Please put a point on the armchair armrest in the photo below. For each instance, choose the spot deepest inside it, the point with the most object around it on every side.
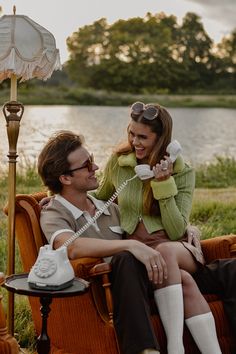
(82, 266)
(219, 247)
(97, 271)
(100, 269)
(103, 270)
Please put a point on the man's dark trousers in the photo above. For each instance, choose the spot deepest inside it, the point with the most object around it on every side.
(131, 291)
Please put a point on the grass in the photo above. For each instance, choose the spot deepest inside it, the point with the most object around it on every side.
(214, 210)
(62, 95)
(27, 181)
(220, 174)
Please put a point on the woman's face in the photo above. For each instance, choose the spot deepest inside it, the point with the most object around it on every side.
(143, 139)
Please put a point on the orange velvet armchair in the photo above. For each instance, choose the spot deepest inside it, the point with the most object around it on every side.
(83, 324)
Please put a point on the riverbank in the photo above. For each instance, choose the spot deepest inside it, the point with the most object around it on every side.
(48, 95)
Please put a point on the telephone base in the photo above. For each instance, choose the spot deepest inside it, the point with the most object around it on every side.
(42, 286)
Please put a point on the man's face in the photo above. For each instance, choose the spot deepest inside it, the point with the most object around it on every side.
(82, 168)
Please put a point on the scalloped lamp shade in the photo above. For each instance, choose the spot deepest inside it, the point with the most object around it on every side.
(27, 49)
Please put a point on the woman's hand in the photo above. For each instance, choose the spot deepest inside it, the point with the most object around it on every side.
(194, 236)
(164, 169)
(44, 202)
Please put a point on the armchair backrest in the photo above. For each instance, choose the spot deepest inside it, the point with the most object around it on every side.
(74, 324)
(28, 231)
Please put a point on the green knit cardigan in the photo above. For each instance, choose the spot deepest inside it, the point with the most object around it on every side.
(174, 196)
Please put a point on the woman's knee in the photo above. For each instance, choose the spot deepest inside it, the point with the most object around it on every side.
(188, 284)
(167, 251)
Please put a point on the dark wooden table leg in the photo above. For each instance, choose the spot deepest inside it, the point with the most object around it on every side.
(43, 341)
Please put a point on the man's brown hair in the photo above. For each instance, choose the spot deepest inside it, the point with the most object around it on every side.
(53, 162)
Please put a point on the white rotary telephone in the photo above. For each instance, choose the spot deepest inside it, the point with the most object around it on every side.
(52, 270)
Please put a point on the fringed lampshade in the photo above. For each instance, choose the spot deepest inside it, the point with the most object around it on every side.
(27, 49)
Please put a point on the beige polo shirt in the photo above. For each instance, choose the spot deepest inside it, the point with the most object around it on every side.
(62, 216)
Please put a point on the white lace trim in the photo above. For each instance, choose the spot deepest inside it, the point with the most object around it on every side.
(39, 67)
(45, 57)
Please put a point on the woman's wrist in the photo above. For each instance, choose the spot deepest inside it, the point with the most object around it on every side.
(164, 189)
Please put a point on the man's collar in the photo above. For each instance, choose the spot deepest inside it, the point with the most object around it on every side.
(78, 212)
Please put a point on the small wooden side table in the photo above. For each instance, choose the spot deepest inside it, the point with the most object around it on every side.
(17, 283)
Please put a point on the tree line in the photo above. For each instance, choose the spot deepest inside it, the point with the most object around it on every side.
(153, 54)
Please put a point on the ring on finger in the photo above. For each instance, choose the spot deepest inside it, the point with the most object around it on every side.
(164, 165)
(154, 266)
(192, 234)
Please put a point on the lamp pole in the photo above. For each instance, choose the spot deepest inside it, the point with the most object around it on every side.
(29, 51)
(13, 112)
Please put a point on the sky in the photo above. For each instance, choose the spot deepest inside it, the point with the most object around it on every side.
(63, 17)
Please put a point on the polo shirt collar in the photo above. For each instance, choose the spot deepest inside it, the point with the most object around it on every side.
(76, 212)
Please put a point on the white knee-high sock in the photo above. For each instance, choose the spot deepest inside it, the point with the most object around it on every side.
(169, 301)
(202, 327)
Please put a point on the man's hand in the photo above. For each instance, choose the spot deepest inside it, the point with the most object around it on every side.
(152, 259)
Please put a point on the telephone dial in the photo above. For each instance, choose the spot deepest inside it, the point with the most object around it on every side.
(52, 270)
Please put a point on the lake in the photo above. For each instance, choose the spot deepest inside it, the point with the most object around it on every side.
(203, 132)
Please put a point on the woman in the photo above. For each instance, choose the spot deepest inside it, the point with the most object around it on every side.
(157, 212)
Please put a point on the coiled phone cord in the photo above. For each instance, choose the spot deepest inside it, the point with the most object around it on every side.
(98, 213)
(174, 149)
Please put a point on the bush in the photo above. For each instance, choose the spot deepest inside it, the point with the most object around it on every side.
(220, 174)
(214, 218)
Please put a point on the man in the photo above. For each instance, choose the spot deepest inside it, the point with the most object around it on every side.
(68, 170)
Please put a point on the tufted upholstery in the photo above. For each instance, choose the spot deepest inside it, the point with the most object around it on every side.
(83, 324)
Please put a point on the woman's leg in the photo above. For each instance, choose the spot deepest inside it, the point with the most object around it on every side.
(198, 316)
(178, 257)
(169, 301)
(169, 295)
(219, 277)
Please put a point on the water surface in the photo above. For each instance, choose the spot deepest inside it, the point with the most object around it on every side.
(203, 132)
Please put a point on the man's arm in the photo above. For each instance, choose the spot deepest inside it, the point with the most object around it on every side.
(93, 247)
(58, 225)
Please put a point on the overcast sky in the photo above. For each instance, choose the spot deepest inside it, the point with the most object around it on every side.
(63, 17)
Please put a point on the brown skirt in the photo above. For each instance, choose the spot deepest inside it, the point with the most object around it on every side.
(155, 238)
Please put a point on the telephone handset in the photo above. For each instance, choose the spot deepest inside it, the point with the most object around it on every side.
(52, 270)
(144, 171)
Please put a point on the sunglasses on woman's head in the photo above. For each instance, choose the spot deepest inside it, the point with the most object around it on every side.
(87, 164)
(148, 112)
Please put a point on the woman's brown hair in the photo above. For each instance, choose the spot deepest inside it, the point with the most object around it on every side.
(162, 126)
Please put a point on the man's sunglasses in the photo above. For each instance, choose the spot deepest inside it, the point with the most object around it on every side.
(87, 164)
(148, 112)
